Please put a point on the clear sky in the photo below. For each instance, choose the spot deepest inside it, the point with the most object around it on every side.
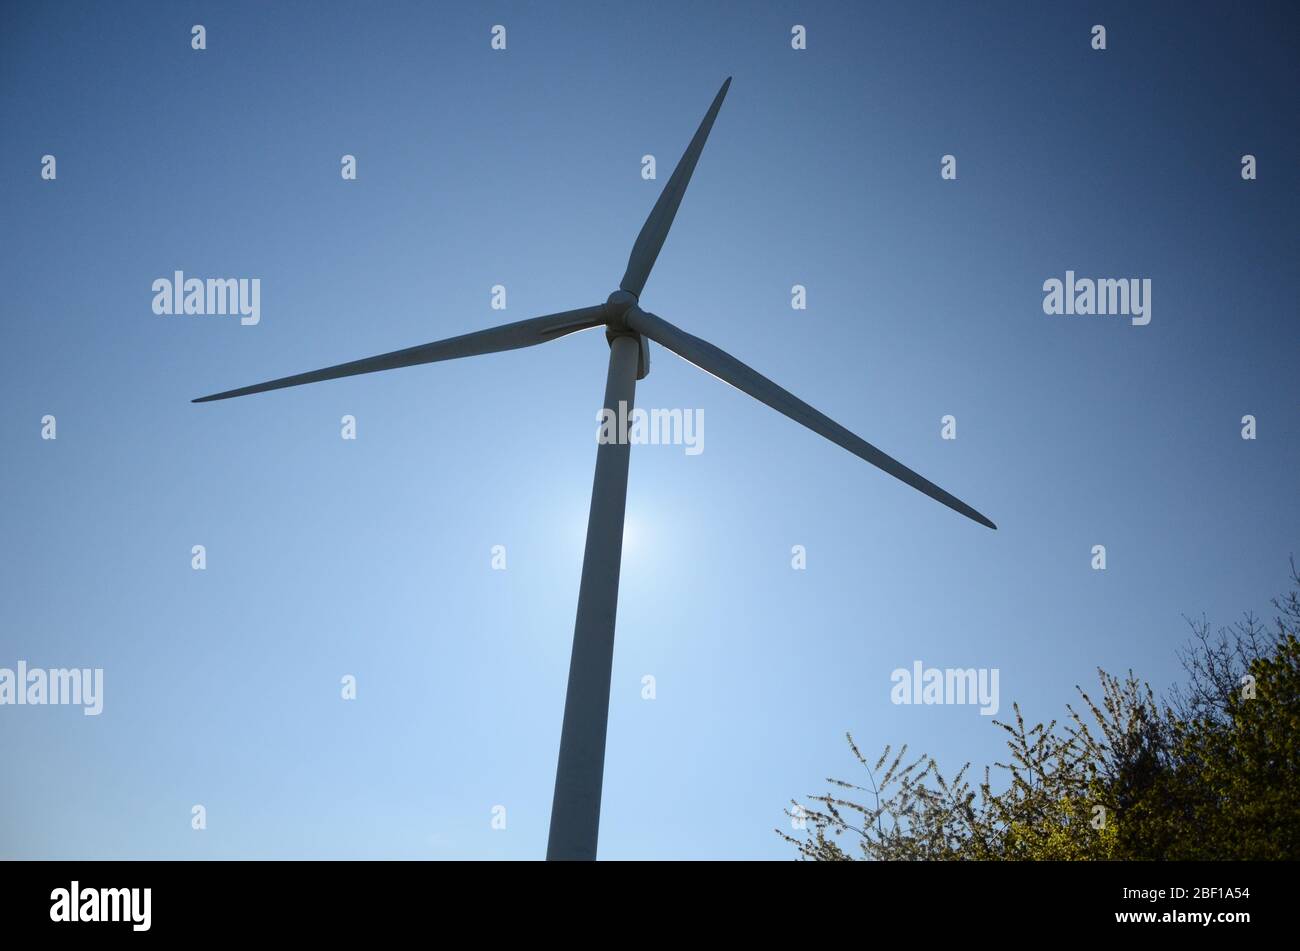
(476, 167)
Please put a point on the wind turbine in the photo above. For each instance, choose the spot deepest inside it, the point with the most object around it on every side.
(575, 811)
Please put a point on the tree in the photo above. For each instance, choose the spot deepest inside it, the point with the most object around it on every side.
(1211, 773)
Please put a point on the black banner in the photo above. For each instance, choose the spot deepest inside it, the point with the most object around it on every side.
(961, 900)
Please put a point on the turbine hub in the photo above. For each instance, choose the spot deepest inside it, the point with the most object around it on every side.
(616, 306)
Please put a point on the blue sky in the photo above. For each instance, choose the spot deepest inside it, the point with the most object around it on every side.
(372, 557)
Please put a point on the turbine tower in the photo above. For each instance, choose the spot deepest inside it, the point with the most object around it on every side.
(575, 811)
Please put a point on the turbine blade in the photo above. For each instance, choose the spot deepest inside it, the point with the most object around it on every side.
(730, 370)
(655, 230)
(523, 333)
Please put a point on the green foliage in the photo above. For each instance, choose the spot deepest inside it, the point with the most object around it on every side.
(1213, 773)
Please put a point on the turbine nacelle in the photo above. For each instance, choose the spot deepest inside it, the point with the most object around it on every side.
(618, 307)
